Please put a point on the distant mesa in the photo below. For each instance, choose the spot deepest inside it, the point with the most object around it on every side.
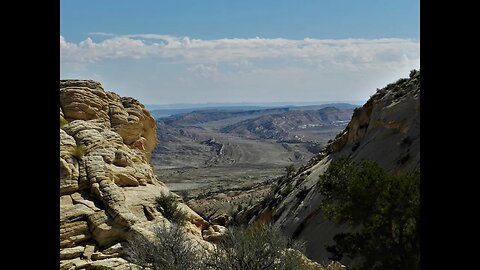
(277, 126)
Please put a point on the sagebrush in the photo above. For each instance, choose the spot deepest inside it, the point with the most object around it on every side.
(255, 247)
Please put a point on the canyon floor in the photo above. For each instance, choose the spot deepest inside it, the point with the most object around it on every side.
(219, 173)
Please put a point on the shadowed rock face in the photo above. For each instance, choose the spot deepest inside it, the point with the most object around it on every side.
(386, 129)
(107, 186)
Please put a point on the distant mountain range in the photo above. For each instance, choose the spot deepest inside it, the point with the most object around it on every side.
(207, 115)
(278, 126)
(165, 111)
(247, 105)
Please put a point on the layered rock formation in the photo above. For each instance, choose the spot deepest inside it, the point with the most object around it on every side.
(280, 126)
(107, 186)
(386, 129)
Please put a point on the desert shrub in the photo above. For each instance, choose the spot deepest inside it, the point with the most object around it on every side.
(402, 80)
(79, 151)
(275, 188)
(171, 249)
(63, 121)
(412, 73)
(399, 95)
(266, 201)
(255, 247)
(290, 171)
(168, 206)
(287, 190)
(356, 112)
(383, 207)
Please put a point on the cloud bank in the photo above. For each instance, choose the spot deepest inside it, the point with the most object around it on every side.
(169, 69)
(346, 53)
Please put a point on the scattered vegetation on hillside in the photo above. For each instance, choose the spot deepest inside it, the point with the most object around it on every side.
(383, 207)
(257, 247)
(171, 249)
(290, 170)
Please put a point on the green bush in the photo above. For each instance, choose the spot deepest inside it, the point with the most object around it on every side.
(268, 199)
(63, 122)
(172, 249)
(257, 247)
(383, 207)
(290, 171)
(79, 151)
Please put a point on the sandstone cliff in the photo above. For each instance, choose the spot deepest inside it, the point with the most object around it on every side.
(386, 129)
(107, 186)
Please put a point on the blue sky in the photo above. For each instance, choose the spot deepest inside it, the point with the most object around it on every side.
(198, 51)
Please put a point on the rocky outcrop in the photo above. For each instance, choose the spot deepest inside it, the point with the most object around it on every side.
(107, 186)
(386, 129)
(87, 100)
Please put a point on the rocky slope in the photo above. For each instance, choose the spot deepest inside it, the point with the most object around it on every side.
(107, 186)
(386, 129)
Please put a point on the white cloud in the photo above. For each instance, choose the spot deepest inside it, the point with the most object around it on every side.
(89, 51)
(204, 71)
(101, 34)
(174, 69)
(321, 53)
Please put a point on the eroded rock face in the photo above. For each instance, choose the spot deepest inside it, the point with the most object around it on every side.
(87, 100)
(107, 186)
(69, 172)
(386, 129)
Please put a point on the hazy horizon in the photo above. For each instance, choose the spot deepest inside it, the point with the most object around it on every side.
(248, 104)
